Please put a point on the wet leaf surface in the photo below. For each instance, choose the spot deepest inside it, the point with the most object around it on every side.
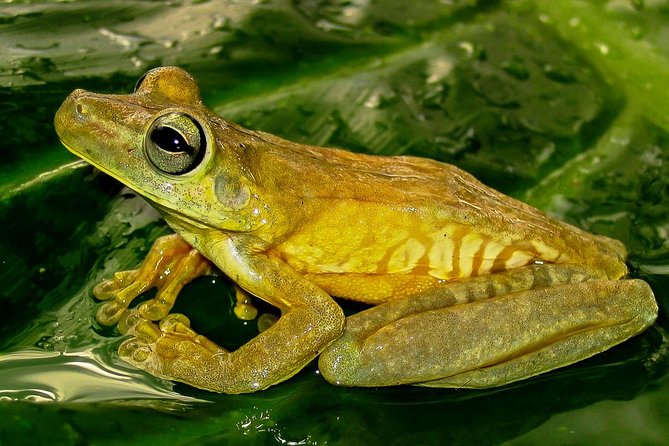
(562, 104)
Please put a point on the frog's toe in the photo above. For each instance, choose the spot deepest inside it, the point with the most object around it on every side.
(266, 321)
(134, 351)
(128, 321)
(154, 309)
(145, 356)
(118, 293)
(177, 323)
(244, 309)
(108, 289)
(132, 323)
(109, 313)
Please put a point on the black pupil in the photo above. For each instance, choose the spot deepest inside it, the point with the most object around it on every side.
(170, 140)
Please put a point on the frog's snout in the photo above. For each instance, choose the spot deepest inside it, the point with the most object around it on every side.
(71, 109)
(85, 115)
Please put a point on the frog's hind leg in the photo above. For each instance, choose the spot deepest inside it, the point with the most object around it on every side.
(170, 264)
(487, 332)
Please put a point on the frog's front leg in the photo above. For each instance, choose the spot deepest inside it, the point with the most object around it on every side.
(170, 264)
(489, 331)
(310, 320)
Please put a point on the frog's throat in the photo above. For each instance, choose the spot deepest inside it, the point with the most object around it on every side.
(179, 221)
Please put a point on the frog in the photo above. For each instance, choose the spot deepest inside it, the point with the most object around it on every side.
(463, 287)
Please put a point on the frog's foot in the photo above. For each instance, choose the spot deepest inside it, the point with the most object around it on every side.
(170, 349)
(310, 320)
(170, 264)
(244, 309)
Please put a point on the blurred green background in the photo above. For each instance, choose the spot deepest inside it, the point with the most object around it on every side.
(563, 104)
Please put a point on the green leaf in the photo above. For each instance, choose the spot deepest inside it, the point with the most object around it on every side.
(562, 104)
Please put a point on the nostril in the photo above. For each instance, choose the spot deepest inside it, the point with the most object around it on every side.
(81, 110)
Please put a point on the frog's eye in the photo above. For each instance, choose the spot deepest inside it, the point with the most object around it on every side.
(175, 143)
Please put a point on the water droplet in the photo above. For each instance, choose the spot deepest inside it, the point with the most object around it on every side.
(468, 47)
(438, 69)
(137, 62)
(45, 343)
(328, 26)
(127, 41)
(221, 22)
(373, 101)
(602, 47)
(167, 43)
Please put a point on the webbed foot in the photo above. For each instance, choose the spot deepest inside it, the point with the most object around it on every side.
(170, 349)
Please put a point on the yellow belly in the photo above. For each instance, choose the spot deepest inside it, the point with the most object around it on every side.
(400, 252)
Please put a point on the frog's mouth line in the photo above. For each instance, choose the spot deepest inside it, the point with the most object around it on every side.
(92, 162)
(106, 171)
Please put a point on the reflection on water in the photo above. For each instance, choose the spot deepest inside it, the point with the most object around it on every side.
(627, 423)
(81, 376)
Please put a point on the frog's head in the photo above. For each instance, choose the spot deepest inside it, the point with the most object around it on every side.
(162, 142)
